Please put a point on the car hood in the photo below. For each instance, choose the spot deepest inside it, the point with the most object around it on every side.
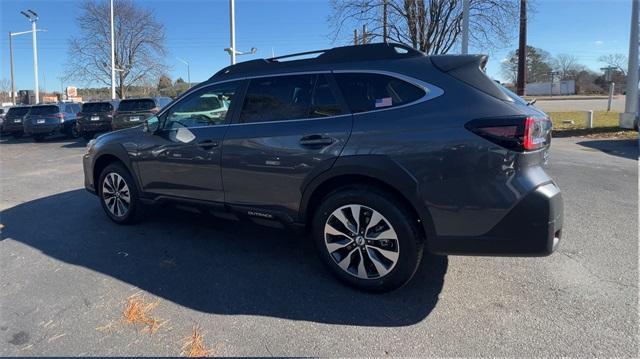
(121, 136)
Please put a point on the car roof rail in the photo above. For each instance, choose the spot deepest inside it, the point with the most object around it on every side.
(353, 53)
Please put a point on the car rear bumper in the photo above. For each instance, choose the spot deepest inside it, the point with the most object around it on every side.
(12, 127)
(43, 129)
(122, 125)
(92, 127)
(532, 228)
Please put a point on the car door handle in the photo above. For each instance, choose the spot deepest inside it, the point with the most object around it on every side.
(316, 141)
(208, 144)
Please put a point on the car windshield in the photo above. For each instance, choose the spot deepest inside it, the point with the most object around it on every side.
(136, 105)
(513, 95)
(44, 110)
(17, 111)
(97, 107)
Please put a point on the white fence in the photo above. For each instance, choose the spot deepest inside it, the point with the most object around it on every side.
(546, 88)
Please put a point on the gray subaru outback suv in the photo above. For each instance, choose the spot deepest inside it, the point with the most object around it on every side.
(380, 151)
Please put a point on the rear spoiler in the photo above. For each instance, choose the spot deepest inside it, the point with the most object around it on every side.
(469, 69)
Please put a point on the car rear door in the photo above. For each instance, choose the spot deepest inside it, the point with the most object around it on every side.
(290, 128)
(182, 158)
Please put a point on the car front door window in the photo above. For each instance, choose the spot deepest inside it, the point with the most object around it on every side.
(206, 107)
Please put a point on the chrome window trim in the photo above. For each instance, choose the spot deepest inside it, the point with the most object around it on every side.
(266, 122)
(431, 92)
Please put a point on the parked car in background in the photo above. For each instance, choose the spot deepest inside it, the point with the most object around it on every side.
(52, 119)
(13, 123)
(3, 112)
(95, 117)
(367, 146)
(133, 112)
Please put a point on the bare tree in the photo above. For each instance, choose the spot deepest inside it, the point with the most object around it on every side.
(616, 60)
(5, 90)
(568, 66)
(139, 45)
(432, 26)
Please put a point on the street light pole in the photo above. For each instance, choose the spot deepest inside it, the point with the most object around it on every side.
(33, 18)
(35, 59)
(232, 24)
(13, 86)
(113, 58)
(630, 116)
(188, 71)
(465, 27)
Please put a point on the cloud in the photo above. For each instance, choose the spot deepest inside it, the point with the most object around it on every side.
(599, 42)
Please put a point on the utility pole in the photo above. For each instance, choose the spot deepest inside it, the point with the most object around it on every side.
(629, 118)
(522, 49)
(364, 34)
(113, 58)
(385, 31)
(232, 24)
(13, 86)
(465, 27)
(355, 36)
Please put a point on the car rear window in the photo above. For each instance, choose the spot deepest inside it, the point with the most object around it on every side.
(17, 111)
(367, 92)
(44, 110)
(97, 107)
(513, 96)
(136, 105)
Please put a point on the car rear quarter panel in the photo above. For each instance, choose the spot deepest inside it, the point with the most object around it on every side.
(467, 184)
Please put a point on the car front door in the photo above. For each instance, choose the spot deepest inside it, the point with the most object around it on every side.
(182, 158)
(289, 128)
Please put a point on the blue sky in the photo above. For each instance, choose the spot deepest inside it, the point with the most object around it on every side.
(198, 32)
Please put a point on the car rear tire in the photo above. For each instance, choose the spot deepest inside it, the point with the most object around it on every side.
(119, 194)
(354, 249)
(73, 131)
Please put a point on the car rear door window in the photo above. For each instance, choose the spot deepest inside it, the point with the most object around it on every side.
(206, 107)
(278, 98)
(368, 91)
(323, 100)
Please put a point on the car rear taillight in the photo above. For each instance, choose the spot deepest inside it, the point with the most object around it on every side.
(59, 115)
(514, 133)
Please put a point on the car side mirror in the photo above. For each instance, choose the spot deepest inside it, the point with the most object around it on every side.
(151, 125)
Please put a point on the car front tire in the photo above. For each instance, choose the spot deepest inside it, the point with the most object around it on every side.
(368, 238)
(119, 194)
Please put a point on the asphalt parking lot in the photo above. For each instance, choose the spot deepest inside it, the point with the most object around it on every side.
(67, 272)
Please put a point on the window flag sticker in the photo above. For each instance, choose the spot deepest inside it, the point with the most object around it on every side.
(383, 102)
